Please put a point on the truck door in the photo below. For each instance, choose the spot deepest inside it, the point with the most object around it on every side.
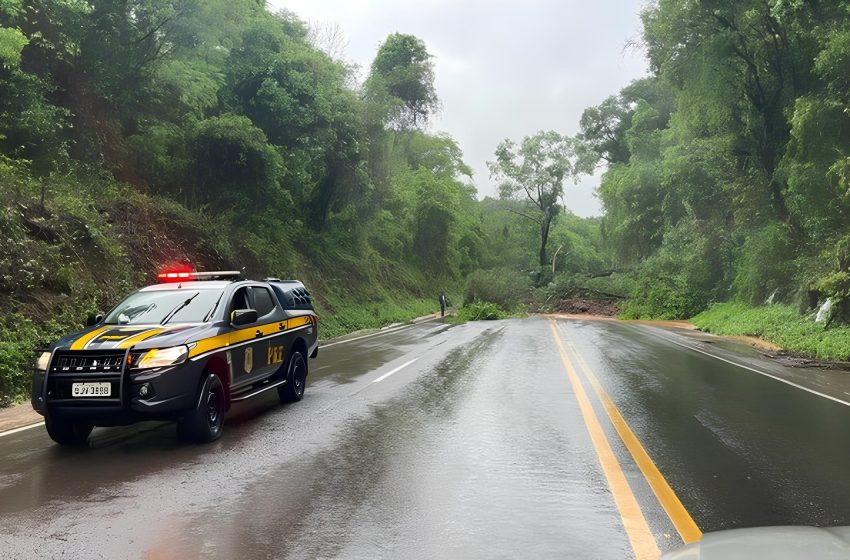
(269, 350)
(248, 352)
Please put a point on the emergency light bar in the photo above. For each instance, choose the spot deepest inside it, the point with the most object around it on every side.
(183, 276)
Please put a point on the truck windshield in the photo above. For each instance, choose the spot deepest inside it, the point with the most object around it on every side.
(175, 306)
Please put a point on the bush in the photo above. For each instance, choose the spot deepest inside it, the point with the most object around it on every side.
(683, 277)
(506, 288)
(664, 299)
(481, 311)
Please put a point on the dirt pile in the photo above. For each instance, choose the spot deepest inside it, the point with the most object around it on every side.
(581, 306)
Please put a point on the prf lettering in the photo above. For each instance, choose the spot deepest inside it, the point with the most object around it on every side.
(275, 354)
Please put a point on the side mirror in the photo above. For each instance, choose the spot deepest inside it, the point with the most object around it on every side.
(243, 317)
(92, 320)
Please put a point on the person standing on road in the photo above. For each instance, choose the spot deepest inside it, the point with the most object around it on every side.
(444, 303)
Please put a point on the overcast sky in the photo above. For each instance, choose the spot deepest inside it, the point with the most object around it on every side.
(504, 68)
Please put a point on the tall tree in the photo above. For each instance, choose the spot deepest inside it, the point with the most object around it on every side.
(534, 171)
(402, 76)
(739, 66)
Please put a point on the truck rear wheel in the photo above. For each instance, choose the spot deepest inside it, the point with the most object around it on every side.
(65, 432)
(204, 423)
(296, 379)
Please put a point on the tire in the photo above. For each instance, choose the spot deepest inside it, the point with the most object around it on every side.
(296, 379)
(65, 432)
(204, 423)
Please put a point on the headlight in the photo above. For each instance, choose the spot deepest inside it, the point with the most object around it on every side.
(42, 361)
(161, 357)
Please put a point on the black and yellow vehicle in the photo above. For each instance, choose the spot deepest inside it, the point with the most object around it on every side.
(183, 350)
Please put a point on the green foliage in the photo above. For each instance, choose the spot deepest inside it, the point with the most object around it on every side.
(779, 324)
(480, 311)
(12, 42)
(30, 126)
(435, 204)
(506, 288)
(633, 200)
(579, 245)
(728, 167)
(682, 277)
(836, 284)
(603, 129)
(402, 80)
(763, 265)
(239, 166)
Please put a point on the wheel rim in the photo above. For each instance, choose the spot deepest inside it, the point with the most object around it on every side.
(213, 409)
(298, 376)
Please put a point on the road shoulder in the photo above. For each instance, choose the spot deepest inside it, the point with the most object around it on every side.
(18, 416)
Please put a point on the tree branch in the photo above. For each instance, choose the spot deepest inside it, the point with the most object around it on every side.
(532, 218)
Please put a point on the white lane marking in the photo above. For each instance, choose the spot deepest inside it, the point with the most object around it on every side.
(21, 429)
(387, 331)
(754, 370)
(396, 370)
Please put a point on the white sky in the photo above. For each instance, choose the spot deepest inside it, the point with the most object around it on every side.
(504, 68)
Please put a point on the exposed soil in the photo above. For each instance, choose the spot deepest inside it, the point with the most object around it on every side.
(580, 306)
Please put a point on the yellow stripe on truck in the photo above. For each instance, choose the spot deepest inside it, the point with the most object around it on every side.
(81, 342)
(140, 337)
(296, 322)
(209, 344)
(247, 334)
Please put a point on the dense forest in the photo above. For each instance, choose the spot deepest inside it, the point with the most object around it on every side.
(138, 133)
(727, 168)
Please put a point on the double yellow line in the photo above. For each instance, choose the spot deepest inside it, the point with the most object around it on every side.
(641, 538)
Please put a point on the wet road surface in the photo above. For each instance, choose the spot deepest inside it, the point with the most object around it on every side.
(525, 438)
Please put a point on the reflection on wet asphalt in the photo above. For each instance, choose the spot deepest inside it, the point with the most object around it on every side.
(477, 449)
(740, 449)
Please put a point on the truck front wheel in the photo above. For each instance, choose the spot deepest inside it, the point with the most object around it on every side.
(65, 432)
(205, 421)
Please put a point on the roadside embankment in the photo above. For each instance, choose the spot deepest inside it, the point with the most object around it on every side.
(780, 325)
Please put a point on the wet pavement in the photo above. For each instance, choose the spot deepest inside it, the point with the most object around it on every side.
(454, 441)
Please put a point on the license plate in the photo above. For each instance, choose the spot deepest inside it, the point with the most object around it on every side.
(91, 389)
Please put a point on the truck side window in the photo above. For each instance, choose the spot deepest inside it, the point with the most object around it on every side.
(263, 302)
(240, 300)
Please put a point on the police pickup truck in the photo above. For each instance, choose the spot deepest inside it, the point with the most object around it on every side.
(184, 349)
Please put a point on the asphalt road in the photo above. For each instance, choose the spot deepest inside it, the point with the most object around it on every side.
(529, 438)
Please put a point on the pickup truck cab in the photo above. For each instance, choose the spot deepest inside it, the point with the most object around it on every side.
(182, 350)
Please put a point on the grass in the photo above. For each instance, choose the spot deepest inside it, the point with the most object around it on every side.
(349, 316)
(780, 324)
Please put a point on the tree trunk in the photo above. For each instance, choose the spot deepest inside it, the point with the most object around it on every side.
(544, 239)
